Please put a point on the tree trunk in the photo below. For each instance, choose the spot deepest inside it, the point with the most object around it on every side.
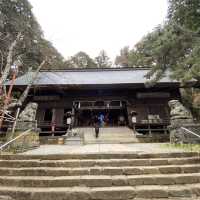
(26, 91)
(7, 68)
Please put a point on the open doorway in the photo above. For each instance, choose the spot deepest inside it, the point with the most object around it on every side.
(111, 117)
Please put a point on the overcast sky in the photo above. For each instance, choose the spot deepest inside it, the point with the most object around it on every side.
(93, 25)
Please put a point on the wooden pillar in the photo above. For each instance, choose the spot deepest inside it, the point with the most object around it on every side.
(73, 116)
(129, 108)
(53, 121)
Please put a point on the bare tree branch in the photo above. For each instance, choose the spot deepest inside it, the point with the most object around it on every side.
(1, 65)
(26, 91)
(6, 71)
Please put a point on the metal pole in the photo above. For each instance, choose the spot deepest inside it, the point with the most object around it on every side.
(7, 143)
(187, 130)
(15, 122)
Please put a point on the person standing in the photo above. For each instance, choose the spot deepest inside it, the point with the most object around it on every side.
(101, 119)
(96, 126)
(69, 121)
(133, 119)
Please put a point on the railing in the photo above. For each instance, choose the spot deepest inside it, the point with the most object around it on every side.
(190, 132)
(154, 121)
(192, 142)
(13, 140)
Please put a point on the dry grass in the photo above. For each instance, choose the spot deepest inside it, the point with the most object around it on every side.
(185, 147)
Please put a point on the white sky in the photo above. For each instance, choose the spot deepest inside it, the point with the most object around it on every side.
(93, 25)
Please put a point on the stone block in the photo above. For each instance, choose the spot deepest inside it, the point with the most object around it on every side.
(154, 193)
(95, 171)
(151, 170)
(164, 180)
(87, 163)
(134, 181)
(112, 171)
(176, 161)
(132, 171)
(96, 181)
(180, 192)
(67, 182)
(78, 172)
(187, 179)
(119, 181)
(119, 163)
(169, 170)
(140, 162)
(60, 195)
(67, 164)
(190, 169)
(159, 162)
(112, 194)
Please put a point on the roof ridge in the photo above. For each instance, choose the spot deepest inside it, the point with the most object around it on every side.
(95, 69)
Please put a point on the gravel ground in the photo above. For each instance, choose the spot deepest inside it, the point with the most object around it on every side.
(102, 148)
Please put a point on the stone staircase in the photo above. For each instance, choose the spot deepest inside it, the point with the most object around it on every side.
(109, 135)
(127, 176)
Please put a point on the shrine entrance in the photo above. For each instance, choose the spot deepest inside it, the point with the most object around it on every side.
(114, 113)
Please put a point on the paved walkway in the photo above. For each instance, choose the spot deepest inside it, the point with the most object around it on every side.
(102, 148)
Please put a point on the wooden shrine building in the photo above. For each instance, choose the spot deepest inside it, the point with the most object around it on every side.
(113, 92)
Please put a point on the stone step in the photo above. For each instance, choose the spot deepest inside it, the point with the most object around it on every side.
(172, 198)
(60, 171)
(107, 130)
(111, 141)
(99, 162)
(127, 155)
(114, 176)
(107, 135)
(189, 191)
(120, 135)
(99, 181)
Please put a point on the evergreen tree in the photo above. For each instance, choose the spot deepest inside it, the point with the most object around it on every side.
(80, 60)
(173, 47)
(102, 60)
(16, 17)
(123, 59)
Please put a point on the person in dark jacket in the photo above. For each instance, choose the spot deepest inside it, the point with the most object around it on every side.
(96, 126)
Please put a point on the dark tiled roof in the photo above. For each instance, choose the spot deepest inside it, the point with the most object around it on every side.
(90, 77)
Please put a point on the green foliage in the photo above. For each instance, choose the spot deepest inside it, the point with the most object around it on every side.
(16, 16)
(83, 60)
(123, 59)
(185, 13)
(184, 147)
(167, 49)
(102, 60)
(80, 60)
(173, 47)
